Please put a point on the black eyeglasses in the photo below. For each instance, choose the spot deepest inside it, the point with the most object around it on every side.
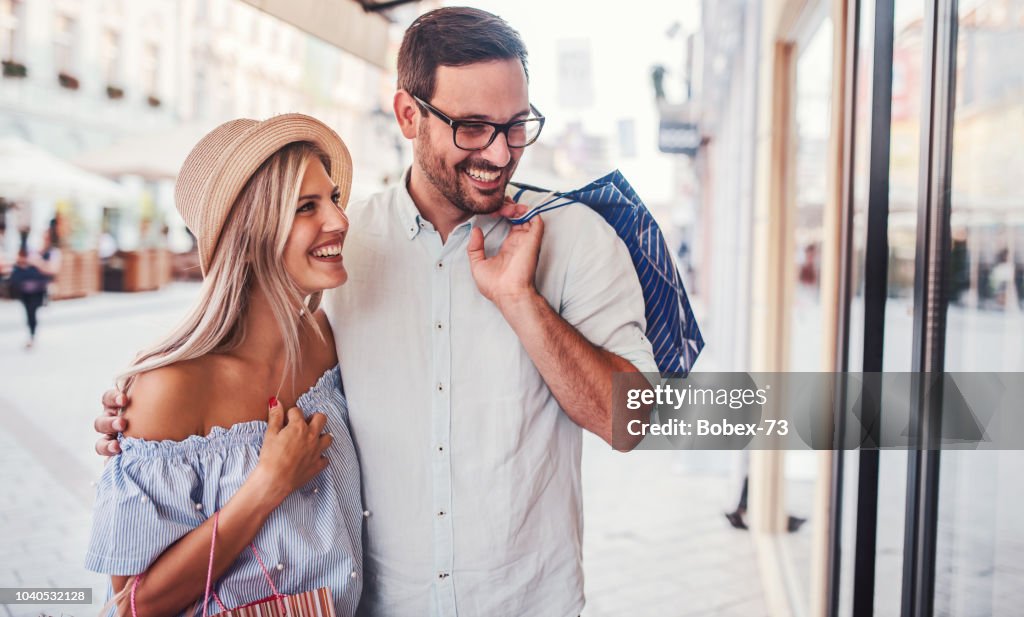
(479, 134)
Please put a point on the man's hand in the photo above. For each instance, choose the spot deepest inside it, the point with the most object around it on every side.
(109, 423)
(509, 275)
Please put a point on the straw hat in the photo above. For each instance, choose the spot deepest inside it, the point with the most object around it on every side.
(216, 170)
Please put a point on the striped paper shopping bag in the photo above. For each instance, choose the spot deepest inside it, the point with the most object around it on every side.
(317, 603)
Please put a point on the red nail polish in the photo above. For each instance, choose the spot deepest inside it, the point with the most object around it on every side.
(272, 402)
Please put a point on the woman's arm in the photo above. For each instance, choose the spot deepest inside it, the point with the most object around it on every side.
(291, 456)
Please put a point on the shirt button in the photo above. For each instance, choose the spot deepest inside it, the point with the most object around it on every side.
(366, 514)
(440, 448)
(441, 513)
(280, 567)
(440, 265)
(439, 325)
(316, 490)
(440, 387)
(354, 574)
(144, 499)
(442, 575)
(199, 506)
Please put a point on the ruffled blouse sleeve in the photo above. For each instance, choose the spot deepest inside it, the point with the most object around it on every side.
(148, 497)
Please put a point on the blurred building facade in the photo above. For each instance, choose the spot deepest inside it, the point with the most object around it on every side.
(125, 88)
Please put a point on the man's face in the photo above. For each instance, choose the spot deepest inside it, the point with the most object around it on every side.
(495, 91)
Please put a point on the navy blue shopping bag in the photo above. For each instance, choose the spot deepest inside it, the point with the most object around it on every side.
(671, 326)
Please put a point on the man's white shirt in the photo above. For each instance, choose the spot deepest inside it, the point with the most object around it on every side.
(470, 469)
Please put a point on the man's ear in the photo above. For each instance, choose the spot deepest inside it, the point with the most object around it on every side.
(407, 112)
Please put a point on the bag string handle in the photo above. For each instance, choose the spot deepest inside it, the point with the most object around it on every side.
(550, 197)
(209, 572)
(209, 576)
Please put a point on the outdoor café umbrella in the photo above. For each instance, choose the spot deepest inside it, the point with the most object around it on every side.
(153, 155)
(671, 325)
(28, 172)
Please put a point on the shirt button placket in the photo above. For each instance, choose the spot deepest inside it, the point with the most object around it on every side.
(442, 418)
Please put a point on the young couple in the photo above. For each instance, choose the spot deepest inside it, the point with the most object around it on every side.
(444, 478)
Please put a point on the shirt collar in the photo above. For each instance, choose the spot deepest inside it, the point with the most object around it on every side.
(413, 222)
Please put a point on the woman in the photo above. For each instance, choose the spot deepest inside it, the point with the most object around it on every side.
(265, 203)
(30, 276)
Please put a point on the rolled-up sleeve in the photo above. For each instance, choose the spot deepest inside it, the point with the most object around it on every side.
(143, 505)
(602, 297)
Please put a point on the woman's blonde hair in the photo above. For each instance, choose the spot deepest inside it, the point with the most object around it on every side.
(250, 252)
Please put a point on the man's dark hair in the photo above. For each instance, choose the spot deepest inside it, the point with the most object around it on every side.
(453, 36)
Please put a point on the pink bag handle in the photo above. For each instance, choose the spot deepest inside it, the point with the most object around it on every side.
(209, 573)
(209, 576)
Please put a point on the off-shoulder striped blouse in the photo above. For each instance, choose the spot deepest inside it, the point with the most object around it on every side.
(155, 492)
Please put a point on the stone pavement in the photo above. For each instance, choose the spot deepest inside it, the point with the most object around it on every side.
(655, 544)
(655, 540)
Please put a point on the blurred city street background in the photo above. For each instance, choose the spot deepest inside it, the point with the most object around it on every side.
(764, 136)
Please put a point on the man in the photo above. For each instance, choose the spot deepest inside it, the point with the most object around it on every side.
(474, 350)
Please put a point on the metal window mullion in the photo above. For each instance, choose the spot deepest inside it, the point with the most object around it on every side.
(875, 292)
(846, 252)
(930, 302)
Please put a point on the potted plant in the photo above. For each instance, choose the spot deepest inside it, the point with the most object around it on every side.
(67, 81)
(113, 92)
(13, 68)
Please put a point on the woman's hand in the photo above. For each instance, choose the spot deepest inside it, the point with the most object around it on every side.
(293, 450)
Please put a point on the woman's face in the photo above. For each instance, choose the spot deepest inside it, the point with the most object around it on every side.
(312, 255)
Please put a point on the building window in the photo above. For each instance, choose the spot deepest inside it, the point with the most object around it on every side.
(111, 58)
(151, 69)
(12, 13)
(64, 41)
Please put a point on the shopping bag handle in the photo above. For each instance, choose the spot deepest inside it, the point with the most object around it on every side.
(209, 574)
(552, 198)
(209, 577)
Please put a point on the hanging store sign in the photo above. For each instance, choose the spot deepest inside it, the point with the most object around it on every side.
(676, 137)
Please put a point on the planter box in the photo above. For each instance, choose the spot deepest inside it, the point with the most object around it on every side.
(79, 275)
(14, 69)
(138, 273)
(160, 267)
(67, 81)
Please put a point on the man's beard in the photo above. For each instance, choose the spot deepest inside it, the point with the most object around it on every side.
(448, 180)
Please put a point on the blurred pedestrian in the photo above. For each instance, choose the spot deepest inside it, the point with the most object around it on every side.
(737, 518)
(30, 277)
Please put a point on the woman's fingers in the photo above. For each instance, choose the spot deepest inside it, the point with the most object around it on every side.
(295, 415)
(325, 441)
(275, 417)
(317, 421)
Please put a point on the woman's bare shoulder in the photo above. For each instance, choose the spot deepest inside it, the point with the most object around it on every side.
(165, 403)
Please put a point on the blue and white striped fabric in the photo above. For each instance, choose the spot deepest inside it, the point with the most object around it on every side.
(671, 326)
(155, 492)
